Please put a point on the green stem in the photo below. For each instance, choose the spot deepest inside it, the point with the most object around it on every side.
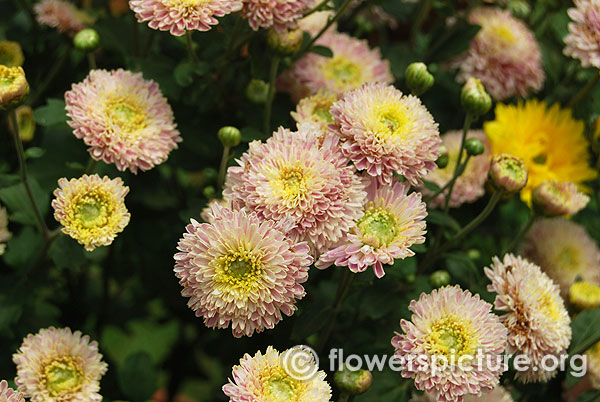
(340, 296)
(135, 36)
(424, 11)
(450, 182)
(234, 34)
(50, 77)
(317, 8)
(466, 126)
(223, 167)
(271, 95)
(190, 47)
(522, 232)
(25, 178)
(91, 60)
(90, 166)
(331, 21)
(584, 91)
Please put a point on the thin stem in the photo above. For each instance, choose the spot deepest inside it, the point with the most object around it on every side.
(450, 182)
(234, 34)
(584, 91)
(223, 166)
(135, 36)
(340, 296)
(148, 43)
(317, 7)
(50, 77)
(91, 60)
(25, 178)
(190, 47)
(466, 126)
(331, 21)
(90, 166)
(424, 11)
(271, 96)
(522, 232)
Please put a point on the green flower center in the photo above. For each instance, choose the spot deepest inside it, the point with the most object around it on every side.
(92, 210)
(342, 70)
(239, 269)
(63, 376)
(377, 227)
(281, 389)
(451, 335)
(568, 258)
(125, 114)
(6, 81)
(324, 115)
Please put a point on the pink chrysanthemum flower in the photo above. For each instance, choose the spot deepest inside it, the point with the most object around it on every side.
(504, 55)
(61, 15)
(91, 209)
(292, 176)
(538, 323)
(241, 270)
(5, 235)
(57, 365)
(470, 185)
(315, 109)
(180, 16)
(564, 251)
(385, 132)
(123, 119)
(279, 14)
(498, 394)
(392, 222)
(267, 378)
(583, 40)
(352, 65)
(558, 198)
(9, 395)
(450, 325)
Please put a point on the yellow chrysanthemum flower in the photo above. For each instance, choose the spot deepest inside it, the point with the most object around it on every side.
(548, 139)
(584, 295)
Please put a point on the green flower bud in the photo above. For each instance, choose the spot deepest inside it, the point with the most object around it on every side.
(257, 91)
(474, 98)
(353, 382)
(411, 278)
(13, 87)
(508, 173)
(443, 159)
(286, 42)
(519, 8)
(209, 192)
(86, 40)
(474, 146)
(439, 278)
(418, 79)
(474, 254)
(230, 136)
(25, 121)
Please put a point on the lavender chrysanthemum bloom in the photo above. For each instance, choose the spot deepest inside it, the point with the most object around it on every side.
(278, 14)
(123, 119)
(180, 16)
(504, 55)
(470, 185)
(352, 65)
(583, 40)
(451, 325)
(293, 176)
(538, 323)
(564, 251)
(385, 132)
(5, 235)
(61, 15)
(392, 222)
(240, 270)
(8, 394)
(498, 394)
(57, 365)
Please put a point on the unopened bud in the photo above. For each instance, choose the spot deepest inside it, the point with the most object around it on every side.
(286, 42)
(443, 158)
(508, 173)
(474, 146)
(230, 136)
(13, 87)
(439, 278)
(353, 382)
(25, 122)
(11, 54)
(209, 192)
(418, 79)
(556, 198)
(257, 91)
(86, 40)
(474, 254)
(474, 98)
(519, 8)
(584, 295)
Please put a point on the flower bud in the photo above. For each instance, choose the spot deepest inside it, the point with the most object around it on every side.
(519, 8)
(474, 254)
(11, 54)
(418, 79)
(285, 42)
(443, 158)
(86, 40)
(555, 198)
(474, 146)
(257, 91)
(353, 382)
(25, 121)
(474, 98)
(13, 86)
(439, 278)
(584, 295)
(209, 192)
(230, 136)
(508, 173)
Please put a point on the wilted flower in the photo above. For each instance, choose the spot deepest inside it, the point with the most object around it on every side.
(504, 55)
(13, 86)
(180, 16)
(59, 365)
(8, 394)
(583, 40)
(241, 271)
(315, 109)
(11, 54)
(385, 132)
(292, 176)
(92, 210)
(265, 378)
(5, 235)
(564, 250)
(550, 142)
(392, 222)
(538, 323)
(498, 394)
(469, 186)
(123, 119)
(447, 325)
(584, 295)
(60, 14)
(556, 198)
(279, 14)
(25, 121)
(352, 65)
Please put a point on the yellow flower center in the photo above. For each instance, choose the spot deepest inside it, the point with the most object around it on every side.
(391, 120)
(63, 375)
(503, 33)
(239, 269)
(186, 3)
(377, 227)
(568, 258)
(279, 386)
(6, 81)
(292, 184)
(324, 115)
(93, 209)
(451, 336)
(127, 115)
(549, 304)
(342, 71)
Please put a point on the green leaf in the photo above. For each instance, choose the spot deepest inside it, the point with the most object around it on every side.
(322, 50)
(17, 201)
(52, 113)
(589, 396)
(138, 377)
(312, 320)
(67, 253)
(457, 42)
(23, 248)
(34, 153)
(586, 332)
(431, 186)
(441, 219)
